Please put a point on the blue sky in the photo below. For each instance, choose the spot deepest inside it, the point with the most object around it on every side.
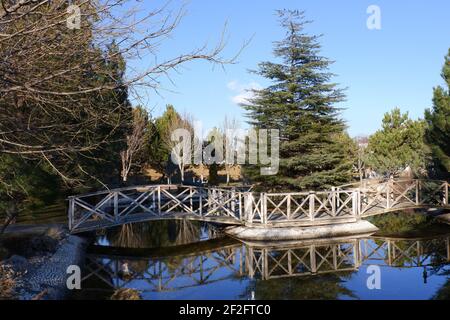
(395, 66)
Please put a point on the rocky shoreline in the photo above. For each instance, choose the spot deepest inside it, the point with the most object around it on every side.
(38, 262)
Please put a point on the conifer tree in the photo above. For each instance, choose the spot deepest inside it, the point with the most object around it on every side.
(438, 120)
(399, 144)
(301, 103)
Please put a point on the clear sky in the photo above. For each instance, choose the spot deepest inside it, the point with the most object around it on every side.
(396, 66)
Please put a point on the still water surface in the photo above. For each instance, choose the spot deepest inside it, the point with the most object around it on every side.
(185, 260)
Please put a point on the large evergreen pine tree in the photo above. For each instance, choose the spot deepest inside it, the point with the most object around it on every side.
(397, 145)
(438, 119)
(301, 103)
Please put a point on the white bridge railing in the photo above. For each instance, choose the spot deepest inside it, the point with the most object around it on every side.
(133, 204)
(377, 197)
(231, 206)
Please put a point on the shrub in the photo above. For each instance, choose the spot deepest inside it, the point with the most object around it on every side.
(8, 282)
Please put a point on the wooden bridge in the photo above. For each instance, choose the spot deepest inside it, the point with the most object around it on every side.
(217, 261)
(342, 204)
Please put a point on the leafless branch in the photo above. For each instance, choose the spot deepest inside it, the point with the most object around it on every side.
(61, 89)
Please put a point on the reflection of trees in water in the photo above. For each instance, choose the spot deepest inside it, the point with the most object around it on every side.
(442, 270)
(400, 222)
(444, 292)
(182, 232)
(401, 253)
(327, 286)
(319, 286)
(99, 287)
(134, 266)
(412, 224)
(155, 234)
(270, 281)
(438, 252)
(308, 272)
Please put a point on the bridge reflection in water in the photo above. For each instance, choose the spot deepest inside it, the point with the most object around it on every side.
(217, 260)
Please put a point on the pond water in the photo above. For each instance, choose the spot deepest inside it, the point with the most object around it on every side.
(408, 259)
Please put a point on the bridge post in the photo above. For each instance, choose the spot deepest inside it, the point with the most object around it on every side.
(71, 212)
(288, 207)
(388, 194)
(263, 198)
(200, 201)
(312, 199)
(158, 206)
(312, 258)
(446, 199)
(233, 199)
(334, 205)
(290, 269)
(390, 252)
(208, 201)
(248, 207)
(241, 217)
(191, 195)
(357, 253)
(417, 192)
(116, 207)
(265, 264)
(241, 262)
(335, 258)
(419, 252)
(356, 203)
(249, 261)
(154, 199)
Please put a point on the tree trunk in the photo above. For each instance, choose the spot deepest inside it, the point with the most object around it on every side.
(182, 173)
(10, 218)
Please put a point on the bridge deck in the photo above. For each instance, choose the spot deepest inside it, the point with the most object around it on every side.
(144, 217)
(399, 207)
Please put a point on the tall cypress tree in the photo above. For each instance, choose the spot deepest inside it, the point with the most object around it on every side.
(157, 150)
(301, 104)
(438, 119)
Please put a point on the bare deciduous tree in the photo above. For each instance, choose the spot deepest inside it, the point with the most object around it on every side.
(181, 151)
(135, 141)
(229, 130)
(54, 76)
